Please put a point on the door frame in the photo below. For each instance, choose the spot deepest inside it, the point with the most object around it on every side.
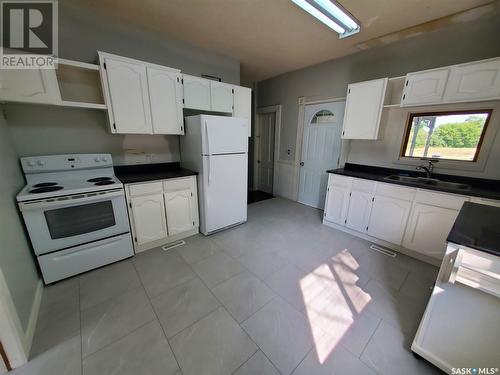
(344, 144)
(276, 109)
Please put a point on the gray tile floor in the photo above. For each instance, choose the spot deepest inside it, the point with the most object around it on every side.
(281, 294)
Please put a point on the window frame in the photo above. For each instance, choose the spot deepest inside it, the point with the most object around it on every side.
(409, 123)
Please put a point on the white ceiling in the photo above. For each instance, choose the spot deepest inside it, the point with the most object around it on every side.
(271, 37)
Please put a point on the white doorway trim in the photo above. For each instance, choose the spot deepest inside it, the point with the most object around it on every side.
(344, 148)
(276, 109)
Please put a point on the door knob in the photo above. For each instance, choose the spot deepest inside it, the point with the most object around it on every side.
(301, 163)
(258, 161)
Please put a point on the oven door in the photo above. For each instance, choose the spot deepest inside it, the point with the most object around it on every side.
(62, 222)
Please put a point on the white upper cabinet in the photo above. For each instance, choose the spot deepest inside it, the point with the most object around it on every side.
(179, 206)
(165, 96)
(29, 85)
(128, 107)
(221, 97)
(425, 87)
(365, 101)
(243, 105)
(474, 81)
(196, 93)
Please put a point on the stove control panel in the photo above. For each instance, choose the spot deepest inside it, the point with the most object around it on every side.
(56, 163)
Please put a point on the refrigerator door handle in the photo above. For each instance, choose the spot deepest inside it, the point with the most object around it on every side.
(207, 138)
(209, 169)
(208, 153)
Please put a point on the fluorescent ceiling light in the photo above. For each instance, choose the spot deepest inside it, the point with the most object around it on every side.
(331, 14)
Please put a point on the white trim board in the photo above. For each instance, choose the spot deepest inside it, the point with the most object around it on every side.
(276, 109)
(16, 341)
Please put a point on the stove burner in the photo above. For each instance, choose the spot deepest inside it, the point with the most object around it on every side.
(105, 182)
(45, 184)
(45, 189)
(99, 179)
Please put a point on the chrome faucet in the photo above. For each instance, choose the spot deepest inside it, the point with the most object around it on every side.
(429, 169)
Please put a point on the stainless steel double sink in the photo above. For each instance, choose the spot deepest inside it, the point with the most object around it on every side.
(425, 181)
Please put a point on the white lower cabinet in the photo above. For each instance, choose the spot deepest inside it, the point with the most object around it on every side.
(178, 206)
(408, 218)
(388, 219)
(428, 228)
(149, 218)
(162, 211)
(337, 199)
(360, 205)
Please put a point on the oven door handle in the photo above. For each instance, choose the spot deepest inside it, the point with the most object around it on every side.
(69, 200)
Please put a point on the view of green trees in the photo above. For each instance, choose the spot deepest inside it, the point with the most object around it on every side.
(460, 135)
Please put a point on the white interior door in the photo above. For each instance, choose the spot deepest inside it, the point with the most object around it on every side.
(265, 151)
(320, 150)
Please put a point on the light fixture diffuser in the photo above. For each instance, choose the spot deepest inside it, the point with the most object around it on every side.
(332, 15)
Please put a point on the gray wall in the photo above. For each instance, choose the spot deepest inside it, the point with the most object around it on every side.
(82, 33)
(455, 44)
(16, 260)
(43, 130)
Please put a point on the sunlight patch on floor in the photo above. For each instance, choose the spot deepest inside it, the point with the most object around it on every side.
(332, 301)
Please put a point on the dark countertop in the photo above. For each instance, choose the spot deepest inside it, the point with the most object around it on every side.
(477, 226)
(478, 187)
(149, 172)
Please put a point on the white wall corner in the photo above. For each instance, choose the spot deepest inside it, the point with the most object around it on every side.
(35, 309)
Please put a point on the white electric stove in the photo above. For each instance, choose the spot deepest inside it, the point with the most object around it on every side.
(75, 213)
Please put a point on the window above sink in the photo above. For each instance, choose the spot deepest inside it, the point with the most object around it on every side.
(454, 136)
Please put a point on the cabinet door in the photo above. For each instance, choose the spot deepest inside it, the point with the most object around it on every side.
(149, 219)
(243, 105)
(196, 93)
(337, 203)
(360, 204)
(128, 91)
(29, 85)
(428, 229)
(165, 96)
(474, 81)
(179, 206)
(424, 87)
(365, 101)
(221, 97)
(388, 218)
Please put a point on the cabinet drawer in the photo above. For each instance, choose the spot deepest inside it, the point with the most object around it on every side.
(336, 179)
(450, 201)
(363, 185)
(179, 184)
(397, 192)
(145, 188)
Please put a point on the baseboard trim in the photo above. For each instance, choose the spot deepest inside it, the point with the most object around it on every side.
(35, 309)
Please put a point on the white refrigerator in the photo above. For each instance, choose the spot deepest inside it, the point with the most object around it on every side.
(217, 148)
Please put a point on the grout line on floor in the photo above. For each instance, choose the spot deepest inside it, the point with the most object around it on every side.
(239, 324)
(158, 320)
